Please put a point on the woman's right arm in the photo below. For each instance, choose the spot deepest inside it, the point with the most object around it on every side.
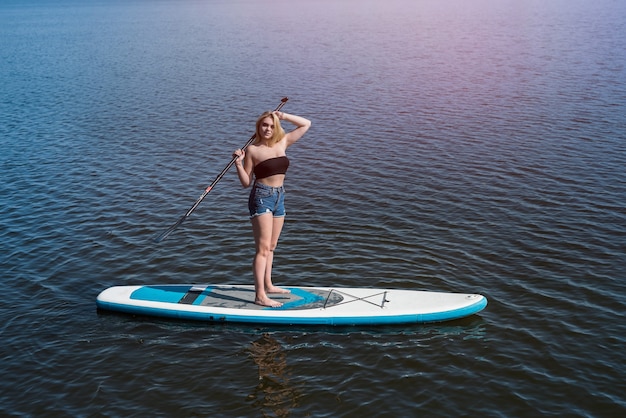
(244, 166)
(302, 125)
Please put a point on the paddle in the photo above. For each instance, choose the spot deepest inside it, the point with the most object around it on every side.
(171, 229)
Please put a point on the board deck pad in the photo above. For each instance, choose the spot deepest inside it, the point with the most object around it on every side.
(239, 297)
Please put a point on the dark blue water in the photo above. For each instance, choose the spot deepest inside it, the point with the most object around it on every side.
(463, 146)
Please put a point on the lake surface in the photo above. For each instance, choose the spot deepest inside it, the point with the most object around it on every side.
(460, 146)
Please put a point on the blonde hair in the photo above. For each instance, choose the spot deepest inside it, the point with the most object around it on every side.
(279, 132)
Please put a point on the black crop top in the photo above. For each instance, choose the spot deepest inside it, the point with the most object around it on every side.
(271, 166)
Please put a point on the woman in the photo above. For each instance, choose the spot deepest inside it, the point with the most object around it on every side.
(263, 165)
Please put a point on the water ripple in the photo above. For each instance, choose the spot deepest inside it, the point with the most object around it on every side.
(452, 149)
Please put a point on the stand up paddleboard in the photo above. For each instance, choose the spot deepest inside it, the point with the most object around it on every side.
(303, 306)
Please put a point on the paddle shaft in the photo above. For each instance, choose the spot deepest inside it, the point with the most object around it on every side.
(212, 185)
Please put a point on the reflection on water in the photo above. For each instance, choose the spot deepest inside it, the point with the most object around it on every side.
(275, 391)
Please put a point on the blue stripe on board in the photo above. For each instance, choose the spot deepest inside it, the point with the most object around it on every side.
(203, 295)
(170, 294)
(306, 298)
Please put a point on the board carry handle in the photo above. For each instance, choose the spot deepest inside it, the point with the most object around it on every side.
(182, 219)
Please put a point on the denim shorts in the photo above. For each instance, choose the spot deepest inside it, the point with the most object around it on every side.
(266, 199)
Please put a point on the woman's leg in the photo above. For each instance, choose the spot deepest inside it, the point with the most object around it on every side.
(277, 227)
(263, 229)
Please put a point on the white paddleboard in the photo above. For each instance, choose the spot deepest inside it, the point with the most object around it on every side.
(304, 305)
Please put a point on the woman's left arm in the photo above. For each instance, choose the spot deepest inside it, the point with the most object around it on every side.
(302, 125)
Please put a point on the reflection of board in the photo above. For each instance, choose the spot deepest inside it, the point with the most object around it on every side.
(304, 305)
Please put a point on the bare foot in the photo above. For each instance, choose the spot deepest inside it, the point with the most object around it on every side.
(276, 289)
(268, 302)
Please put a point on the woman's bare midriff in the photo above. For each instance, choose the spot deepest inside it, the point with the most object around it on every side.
(276, 180)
